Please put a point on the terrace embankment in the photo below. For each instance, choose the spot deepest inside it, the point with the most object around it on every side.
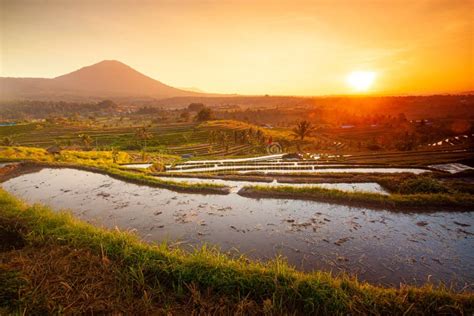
(426, 202)
(456, 196)
(310, 234)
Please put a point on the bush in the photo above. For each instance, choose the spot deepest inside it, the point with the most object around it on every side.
(421, 185)
(204, 115)
(158, 167)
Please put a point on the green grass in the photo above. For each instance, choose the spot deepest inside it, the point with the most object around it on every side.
(422, 184)
(177, 138)
(419, 201)
(92, 157)
(274, 286)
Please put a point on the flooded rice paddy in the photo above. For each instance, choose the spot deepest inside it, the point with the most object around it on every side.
(137, 165)
(293, 168)
(378, 246)
(235, 186)
(271, 164)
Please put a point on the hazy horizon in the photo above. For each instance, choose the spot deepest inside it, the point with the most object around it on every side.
(251, 48)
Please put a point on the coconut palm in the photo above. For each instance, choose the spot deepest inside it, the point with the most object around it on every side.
(142, 134)
(86, 140)
(8, 141)
(302, 130)
(115, 155)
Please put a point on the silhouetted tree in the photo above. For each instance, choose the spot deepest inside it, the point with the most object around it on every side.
(204, 115)
(185, 116)
(7, 141)
(302, 130)
(86, 140)
(115, 155)
(196, 107)
(143, 135)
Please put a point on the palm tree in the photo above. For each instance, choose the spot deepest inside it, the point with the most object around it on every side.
(86, 140)
(115, 155)
(8, 141)
(302, 130)
(142, 134)
(225, 139)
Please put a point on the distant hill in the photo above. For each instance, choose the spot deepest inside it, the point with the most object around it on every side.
(108, 78)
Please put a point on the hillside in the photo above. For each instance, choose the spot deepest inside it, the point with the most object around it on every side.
(108, 78)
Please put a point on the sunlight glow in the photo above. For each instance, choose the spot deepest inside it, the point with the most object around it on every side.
(361, 81)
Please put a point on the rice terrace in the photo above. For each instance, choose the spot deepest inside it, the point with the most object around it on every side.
(286, 191)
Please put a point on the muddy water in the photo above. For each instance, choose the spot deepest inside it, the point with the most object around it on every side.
(298, 169)
(379, 246)
(235, 186)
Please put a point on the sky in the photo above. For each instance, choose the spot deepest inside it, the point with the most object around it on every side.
(249, 47)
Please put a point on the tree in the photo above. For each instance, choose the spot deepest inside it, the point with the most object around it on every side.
(143, 135)
(185, 116)
(115, 155)
(224, 139)
(302, 130)
(107, 104)
(86, 140)
(7, 141)
(196, 107)
(260, 136)
(204, 115)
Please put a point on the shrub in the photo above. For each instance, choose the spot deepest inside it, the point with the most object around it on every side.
(158, 167)
(421, 185)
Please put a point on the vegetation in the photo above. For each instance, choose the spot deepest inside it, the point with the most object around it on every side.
(143, 136)
(422, 184)
(204, 115)
(402, 202)
(92, 158)
(110, 271)
(302, 130)
(407, 191)
(40, 109)
(103, 162)
(86, 140)
(196, 107)
(7, 141)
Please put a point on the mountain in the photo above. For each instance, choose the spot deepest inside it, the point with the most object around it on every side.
(108, 78)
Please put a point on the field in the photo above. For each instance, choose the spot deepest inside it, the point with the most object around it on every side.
(257, 157)
(108, 271)
(105, 271)
(179, 138)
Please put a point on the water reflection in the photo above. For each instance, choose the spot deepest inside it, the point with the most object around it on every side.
(378, 246)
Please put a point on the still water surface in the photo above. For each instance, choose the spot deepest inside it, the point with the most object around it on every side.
(379, 246)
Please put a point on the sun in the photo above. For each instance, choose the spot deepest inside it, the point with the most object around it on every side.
(361, 81)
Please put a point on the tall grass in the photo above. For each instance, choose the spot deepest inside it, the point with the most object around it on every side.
(419, 201)
(274, 284)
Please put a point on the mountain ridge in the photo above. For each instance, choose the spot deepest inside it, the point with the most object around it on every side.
(108, 78)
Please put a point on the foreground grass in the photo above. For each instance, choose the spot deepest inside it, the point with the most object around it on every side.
(145, 278)
(419, 201)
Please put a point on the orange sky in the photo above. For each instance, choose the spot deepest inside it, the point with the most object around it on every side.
(249, 47)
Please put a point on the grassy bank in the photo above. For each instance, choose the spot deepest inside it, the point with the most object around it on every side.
(96, 270)
(95, 157)
(419, 201)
